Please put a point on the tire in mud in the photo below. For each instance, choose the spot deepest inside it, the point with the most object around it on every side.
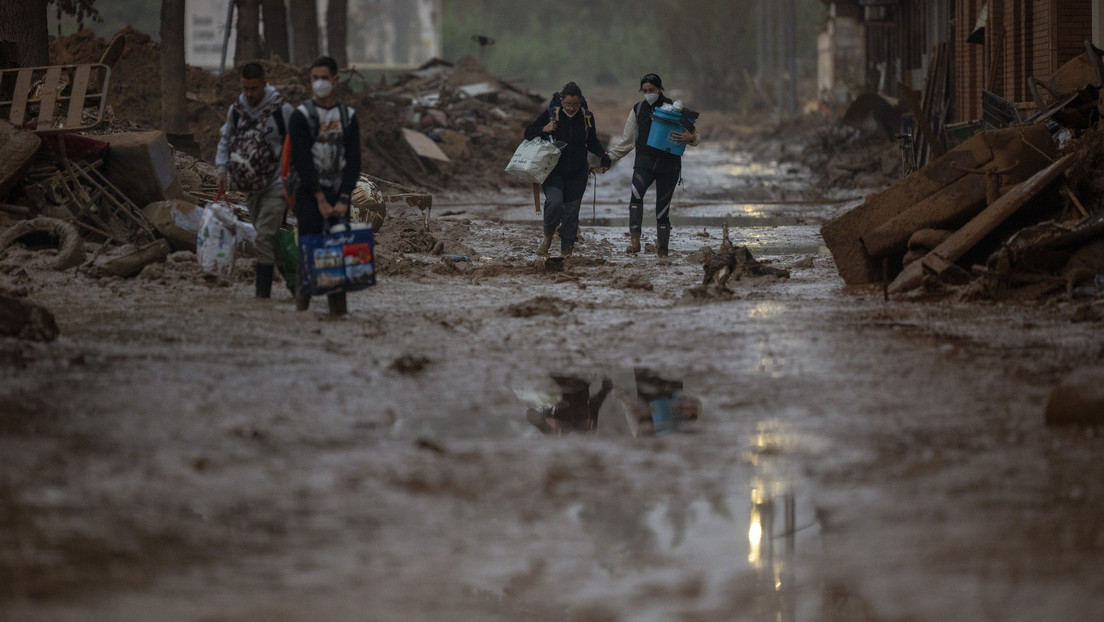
(70, 245)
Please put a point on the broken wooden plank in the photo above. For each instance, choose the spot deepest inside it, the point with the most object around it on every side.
(974, 231)
(943, 270)
(76, 99)
(51, 88)
(19, 98)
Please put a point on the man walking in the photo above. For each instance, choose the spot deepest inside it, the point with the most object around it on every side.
(325, 156)
(248, 159)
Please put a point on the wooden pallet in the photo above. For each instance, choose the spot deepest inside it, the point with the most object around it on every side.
(53, 99)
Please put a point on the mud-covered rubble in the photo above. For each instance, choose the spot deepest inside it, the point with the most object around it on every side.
(472, 126)
(124, 190)
(975, 221)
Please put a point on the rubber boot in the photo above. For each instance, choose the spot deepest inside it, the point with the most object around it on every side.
(634, 243)
(337, 304)
(663, 237)
(636, 221)
(566, 248)
(542, 250)
(302, 301)
(264, 280)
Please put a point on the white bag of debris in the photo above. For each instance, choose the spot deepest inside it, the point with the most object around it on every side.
(533, 160)
(217, 242)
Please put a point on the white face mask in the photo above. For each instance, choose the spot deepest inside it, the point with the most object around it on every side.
(651, 97)
(322, 88)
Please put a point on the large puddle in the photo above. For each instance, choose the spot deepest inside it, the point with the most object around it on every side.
(749, 540)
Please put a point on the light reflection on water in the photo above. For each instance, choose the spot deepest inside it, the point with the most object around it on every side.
(742, 543)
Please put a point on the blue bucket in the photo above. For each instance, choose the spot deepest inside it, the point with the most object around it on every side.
(665, 123)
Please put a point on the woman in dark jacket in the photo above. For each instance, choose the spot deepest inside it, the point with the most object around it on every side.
(572, 125)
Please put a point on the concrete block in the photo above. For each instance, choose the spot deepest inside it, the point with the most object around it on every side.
(141, 165)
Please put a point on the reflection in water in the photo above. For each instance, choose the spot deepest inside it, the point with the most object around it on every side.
(775, 568)
(656, 406)
(576, 410)
(735, 545)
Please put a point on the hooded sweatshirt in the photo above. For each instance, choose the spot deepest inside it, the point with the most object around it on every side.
(275, 138)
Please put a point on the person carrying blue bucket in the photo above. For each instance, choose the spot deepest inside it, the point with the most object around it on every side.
(659, 137)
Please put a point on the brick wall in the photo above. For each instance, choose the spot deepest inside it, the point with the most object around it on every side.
(1074, 26)
(1023, 39)
(969, 68)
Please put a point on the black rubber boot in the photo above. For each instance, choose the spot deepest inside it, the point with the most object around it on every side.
(264, 280)
(302, 301)
(663, 237)
(337, 304)
(566, 248)
(636, 221)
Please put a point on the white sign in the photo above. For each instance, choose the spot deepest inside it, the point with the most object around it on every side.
(204, 33)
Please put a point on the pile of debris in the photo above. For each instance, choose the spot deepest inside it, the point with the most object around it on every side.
(997, 217)
(86, 176)
(1001, 214)
(442, 126)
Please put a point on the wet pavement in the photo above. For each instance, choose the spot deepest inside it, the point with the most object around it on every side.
(792, 451)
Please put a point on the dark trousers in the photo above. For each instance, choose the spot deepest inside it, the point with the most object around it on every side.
(562, 198)
(665, 189)
(307, 216)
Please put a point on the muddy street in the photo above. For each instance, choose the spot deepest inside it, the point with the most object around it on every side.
(793, 449)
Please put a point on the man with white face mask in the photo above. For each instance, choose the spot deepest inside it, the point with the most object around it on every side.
(651, 165)
(325, 155)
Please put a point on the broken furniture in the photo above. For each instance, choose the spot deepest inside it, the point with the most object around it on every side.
(869, 242)
(55, 99)
(1073, 92)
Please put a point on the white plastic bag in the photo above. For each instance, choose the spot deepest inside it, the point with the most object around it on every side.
(216, 243)
(533, 160)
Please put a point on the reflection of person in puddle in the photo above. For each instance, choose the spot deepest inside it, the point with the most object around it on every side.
(668, 408)
(577, 410)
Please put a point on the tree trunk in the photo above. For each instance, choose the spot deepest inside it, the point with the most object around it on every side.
(337, 18)
(274, 16)
(24, 22)
(173, 81)
(247, 46)
(304, 25)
